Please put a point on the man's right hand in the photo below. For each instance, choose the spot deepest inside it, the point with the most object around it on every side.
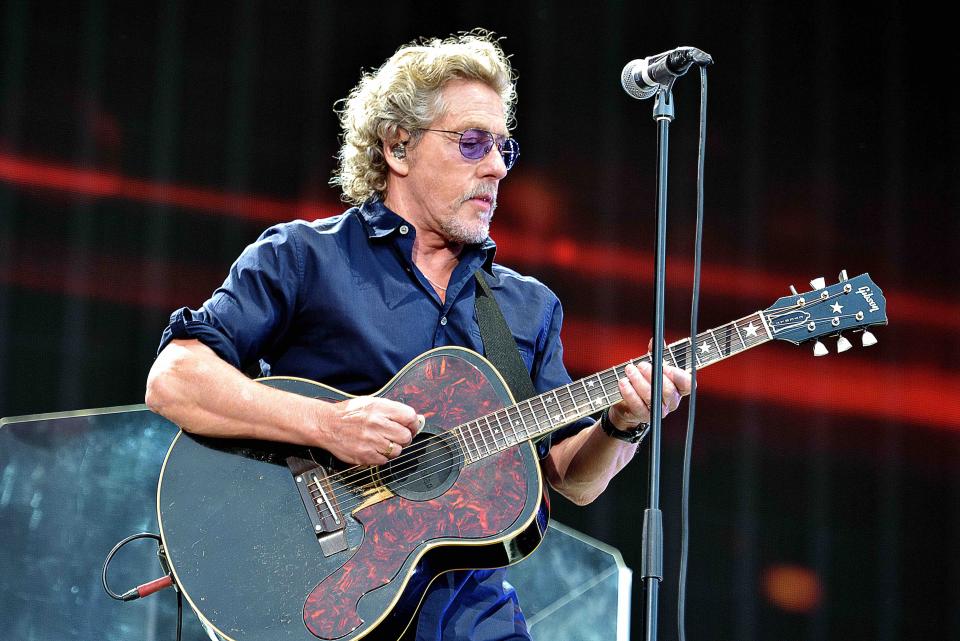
(368, 430)
(190, 385)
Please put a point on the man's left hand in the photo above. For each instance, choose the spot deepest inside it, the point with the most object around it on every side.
(635, 408)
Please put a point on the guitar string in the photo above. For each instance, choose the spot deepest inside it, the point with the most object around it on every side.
(348, 506)
(582, 407)
(450, 435)
(724, 333)
(477, 434)
(579, 407)
(729, 331)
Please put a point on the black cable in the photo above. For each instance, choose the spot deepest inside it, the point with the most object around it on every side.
(129, 595)
(692, 407)
(133, 594)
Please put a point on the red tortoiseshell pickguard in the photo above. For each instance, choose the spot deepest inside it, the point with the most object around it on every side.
(487, 498)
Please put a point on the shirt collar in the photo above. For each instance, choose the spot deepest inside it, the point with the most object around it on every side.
(381, 221)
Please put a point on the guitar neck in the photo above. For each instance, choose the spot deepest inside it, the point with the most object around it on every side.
(543, 414)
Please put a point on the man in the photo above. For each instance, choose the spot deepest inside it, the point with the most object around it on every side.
(349, 300)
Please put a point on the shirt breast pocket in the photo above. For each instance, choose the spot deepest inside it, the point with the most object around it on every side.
(525, 348)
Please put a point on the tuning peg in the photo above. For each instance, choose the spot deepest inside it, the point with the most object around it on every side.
(843, 276)
(819, 349)
(818, 283)
(793, 290)
(843, 345)
(868, 339)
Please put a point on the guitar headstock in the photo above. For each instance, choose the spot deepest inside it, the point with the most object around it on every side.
(852, 304)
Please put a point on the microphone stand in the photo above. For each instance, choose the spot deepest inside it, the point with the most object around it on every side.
(651, 569)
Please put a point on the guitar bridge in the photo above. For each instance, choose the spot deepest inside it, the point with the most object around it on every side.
(318, 498)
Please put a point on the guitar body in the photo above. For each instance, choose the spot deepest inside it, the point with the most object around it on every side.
(245, 553)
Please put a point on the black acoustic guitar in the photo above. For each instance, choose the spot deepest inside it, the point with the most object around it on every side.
(270, 542)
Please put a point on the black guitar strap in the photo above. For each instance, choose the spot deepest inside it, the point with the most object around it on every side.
(501, 349)
(498, 343)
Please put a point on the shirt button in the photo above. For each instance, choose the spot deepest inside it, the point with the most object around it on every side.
(443, 320)
(404, 229)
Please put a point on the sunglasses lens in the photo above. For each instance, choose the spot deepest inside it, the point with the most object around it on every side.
(475, 144)
(510, 150)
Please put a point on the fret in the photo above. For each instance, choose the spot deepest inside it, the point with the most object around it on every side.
(603, 388)
(613, 386)
(518, 421)
(546, 416)
(622, 373)
(766, 327)
(593, 402)
(717, 343)
(506, 439)
(477, 438)
(464, 433)
(672, 357)
(472, 438)
(463, 443)
(576, 405)
(740, 335)
(558, 418)
(684, 354)
(606, 397)
(733, 348)
(533, 413)
(483, 438)
(493, 434)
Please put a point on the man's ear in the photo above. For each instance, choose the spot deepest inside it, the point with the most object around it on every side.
(395, 152)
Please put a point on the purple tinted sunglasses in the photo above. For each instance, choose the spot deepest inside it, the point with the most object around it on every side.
(477, 143)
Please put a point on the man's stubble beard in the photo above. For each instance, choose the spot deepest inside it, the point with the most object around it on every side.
(458, 231)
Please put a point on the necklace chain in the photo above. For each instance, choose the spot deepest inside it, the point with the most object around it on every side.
(433, 283)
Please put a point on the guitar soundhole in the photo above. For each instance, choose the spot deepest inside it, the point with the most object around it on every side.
(426, 468)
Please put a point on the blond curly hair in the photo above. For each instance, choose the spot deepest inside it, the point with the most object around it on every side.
(405, 92)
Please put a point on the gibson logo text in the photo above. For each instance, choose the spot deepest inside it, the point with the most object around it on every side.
(868, 296)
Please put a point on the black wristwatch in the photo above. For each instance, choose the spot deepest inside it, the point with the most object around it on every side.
(633, 435)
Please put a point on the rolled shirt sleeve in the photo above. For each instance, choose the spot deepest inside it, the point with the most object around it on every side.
(254, 306)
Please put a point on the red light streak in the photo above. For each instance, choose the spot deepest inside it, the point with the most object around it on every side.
(912, 394)
(593, 260)
(101, 184)
(796, 379)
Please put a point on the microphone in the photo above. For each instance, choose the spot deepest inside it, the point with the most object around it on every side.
(643, 78)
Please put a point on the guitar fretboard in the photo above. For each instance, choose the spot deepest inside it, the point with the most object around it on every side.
(540, 415)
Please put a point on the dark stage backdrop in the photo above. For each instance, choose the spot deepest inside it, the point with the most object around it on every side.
(142, 145)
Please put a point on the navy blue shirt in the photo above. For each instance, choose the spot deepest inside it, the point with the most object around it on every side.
(341, 302)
